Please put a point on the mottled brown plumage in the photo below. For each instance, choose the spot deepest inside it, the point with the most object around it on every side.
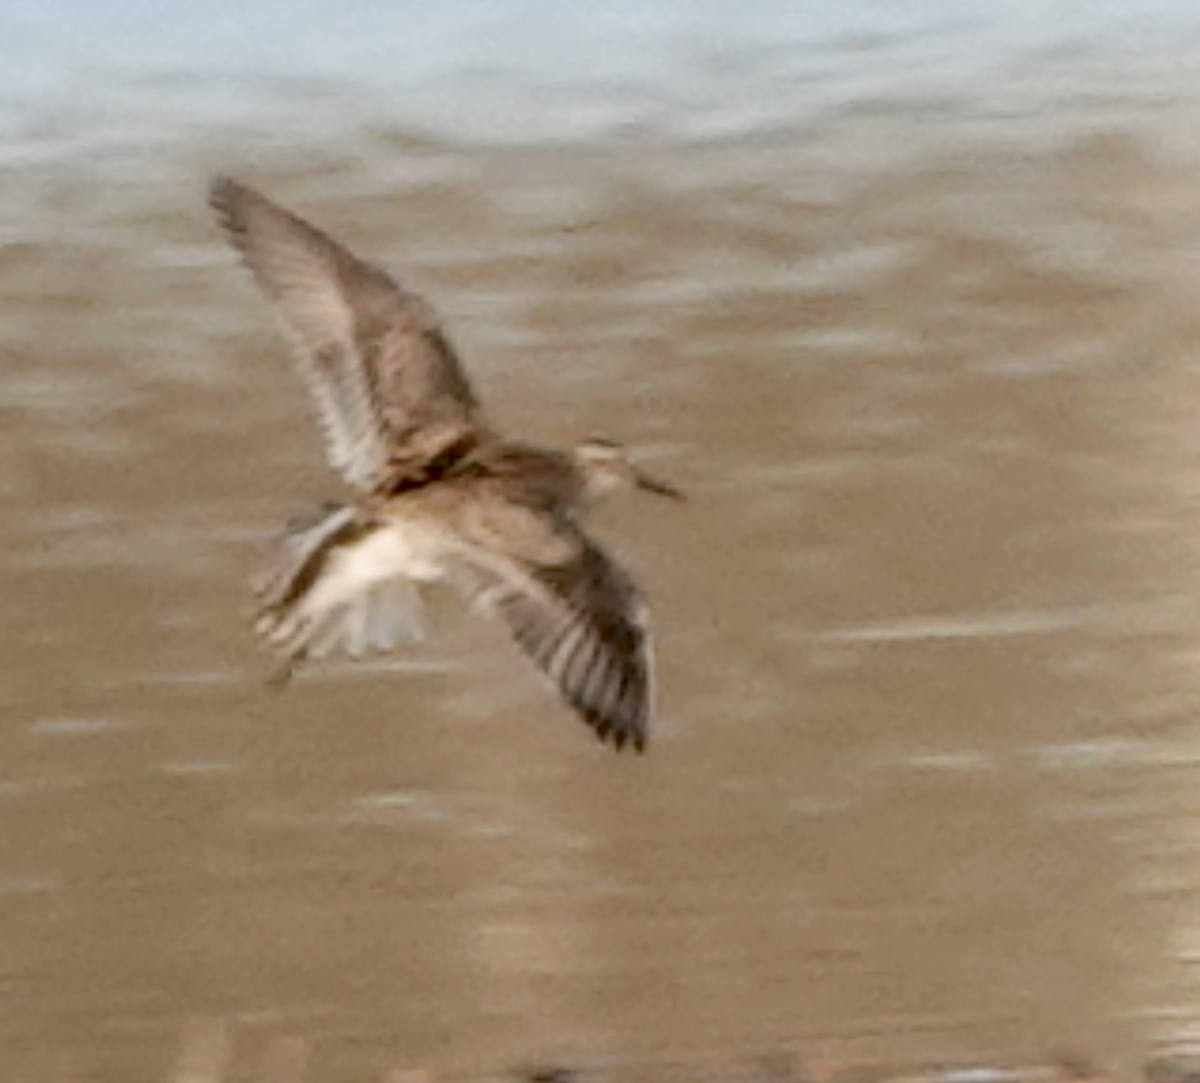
(441, 494)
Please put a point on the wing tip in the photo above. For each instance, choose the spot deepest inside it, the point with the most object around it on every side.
(622, 724)
(638, 743)
(225, 196)
(223, 189)
(619, 734)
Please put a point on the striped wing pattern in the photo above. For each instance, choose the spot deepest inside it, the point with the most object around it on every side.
(386, 382)
(581, 621)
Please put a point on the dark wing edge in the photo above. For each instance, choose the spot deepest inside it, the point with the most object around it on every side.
(584, 625)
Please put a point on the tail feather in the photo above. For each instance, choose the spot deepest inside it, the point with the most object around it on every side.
(314, 602)
(303, 550)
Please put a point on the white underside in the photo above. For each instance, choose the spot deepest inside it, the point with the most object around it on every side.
(401, 551)
(368, 597)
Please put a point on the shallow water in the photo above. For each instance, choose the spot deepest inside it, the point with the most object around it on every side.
(922, 785)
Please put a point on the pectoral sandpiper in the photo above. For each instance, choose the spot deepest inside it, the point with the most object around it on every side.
(440, 494)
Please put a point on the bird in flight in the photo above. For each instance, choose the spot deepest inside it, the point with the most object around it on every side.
(440, 495)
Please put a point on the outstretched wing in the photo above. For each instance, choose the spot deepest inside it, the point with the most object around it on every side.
(579, 618)
(387, 384)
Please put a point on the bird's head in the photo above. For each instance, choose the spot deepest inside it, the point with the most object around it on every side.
(607, 466)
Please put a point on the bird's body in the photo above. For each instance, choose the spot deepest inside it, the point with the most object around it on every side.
(440, 494)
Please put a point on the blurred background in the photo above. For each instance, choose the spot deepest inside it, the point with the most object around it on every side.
(903, 294)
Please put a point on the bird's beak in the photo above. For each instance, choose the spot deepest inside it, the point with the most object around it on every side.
(653, 485)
